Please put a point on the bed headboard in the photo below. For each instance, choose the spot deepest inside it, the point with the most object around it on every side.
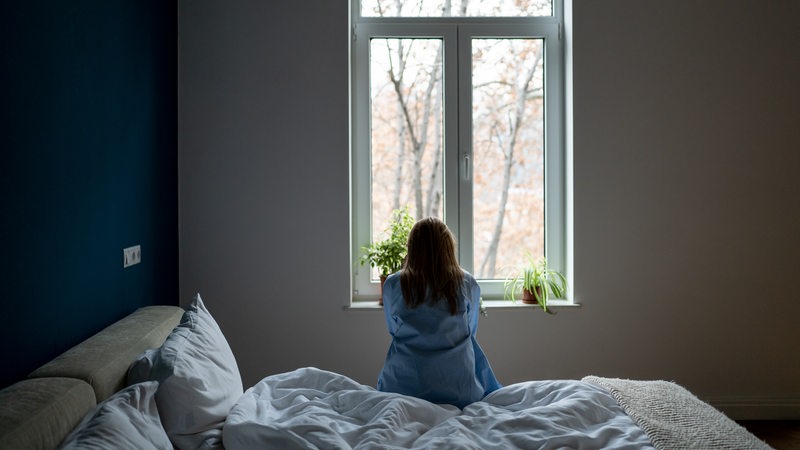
(40, 411)
(103, 359)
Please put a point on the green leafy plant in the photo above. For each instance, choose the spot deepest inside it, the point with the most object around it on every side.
(387, 255)
(539, 280)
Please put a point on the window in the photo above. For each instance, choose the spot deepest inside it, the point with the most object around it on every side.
(458, 112)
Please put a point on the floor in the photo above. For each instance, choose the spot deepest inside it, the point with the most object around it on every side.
(779, 434)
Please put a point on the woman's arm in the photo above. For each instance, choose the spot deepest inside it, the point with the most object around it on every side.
(473, 302)
(391, 296)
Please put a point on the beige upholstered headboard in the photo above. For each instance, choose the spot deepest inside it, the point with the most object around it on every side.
(103, 359)
(40, 411)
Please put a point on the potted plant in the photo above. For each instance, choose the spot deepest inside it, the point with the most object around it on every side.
(537, 282)
(387, 255)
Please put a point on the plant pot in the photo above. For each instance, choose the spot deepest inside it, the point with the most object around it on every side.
(380, 299)
(528, 297)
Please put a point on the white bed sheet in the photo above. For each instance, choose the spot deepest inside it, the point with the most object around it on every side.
(315, 409)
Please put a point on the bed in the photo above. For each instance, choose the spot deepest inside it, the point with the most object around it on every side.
(166, 378)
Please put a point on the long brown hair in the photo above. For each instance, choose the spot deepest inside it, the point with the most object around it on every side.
(431, 269)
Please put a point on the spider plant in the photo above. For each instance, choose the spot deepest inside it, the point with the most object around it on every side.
(537, 282)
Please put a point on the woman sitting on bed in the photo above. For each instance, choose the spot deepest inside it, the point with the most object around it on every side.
(432, 308)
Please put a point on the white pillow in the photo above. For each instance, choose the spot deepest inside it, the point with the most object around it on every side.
(140, 368)
(199, 380)
(127, 419)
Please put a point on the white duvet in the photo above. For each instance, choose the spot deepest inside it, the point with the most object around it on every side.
(314, 409)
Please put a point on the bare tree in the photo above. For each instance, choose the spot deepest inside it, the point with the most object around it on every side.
(415, 126)
(418, 114)
(507, 142)
(408, 143)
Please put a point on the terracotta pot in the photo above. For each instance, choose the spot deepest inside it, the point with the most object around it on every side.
(529, 298)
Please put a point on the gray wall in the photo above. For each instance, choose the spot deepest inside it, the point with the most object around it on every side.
(686, 198)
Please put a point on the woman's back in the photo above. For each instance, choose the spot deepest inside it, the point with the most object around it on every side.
(434, 354)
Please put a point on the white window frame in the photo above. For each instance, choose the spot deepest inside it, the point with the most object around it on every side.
(457, 33)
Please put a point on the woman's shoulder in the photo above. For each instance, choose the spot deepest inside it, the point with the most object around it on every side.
(469, 279)
(393, 278)
(392, 284)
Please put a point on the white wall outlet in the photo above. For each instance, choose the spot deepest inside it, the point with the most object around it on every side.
(131, 255)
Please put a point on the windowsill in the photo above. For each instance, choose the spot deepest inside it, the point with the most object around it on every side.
(488, 305)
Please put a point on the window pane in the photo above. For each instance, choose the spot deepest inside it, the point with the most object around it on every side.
(406, 116)
(508, 152)
(456, 8)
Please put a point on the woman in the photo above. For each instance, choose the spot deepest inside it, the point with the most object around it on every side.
(432, 308)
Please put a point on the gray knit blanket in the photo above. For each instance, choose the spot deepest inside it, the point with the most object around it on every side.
(673, 418)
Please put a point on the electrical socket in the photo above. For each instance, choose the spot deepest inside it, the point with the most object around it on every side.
(131, 255)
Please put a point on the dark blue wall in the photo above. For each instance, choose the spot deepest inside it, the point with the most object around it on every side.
(89, 166)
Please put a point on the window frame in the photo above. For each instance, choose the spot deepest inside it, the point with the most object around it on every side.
(457, 33)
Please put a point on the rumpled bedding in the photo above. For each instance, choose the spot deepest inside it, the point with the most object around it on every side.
(310, 408)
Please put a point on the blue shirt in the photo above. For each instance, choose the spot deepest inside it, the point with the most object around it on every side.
(434, 355)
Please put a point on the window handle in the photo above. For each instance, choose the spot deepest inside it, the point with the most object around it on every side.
(466, 166)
